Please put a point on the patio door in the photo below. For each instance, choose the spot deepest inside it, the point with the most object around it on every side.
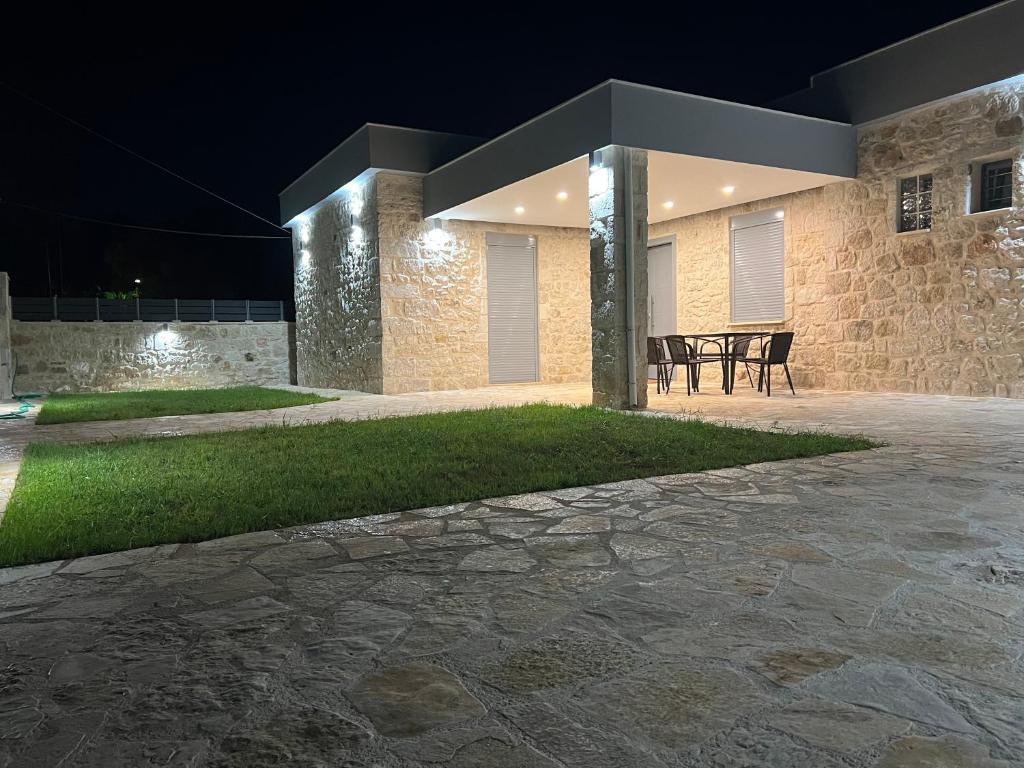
(512, 344)
(661, 292)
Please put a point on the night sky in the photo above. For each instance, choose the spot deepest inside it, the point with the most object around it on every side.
(243, 101)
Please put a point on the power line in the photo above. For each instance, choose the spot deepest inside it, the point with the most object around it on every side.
(139, 226)
(133, 153)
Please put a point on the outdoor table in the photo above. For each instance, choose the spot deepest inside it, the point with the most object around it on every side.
(728, 340)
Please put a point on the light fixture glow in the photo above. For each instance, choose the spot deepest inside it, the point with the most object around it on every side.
(520, 210)
(562, 196)
(138, 280)
(598, 182)
(304, 255)
(780, 214)
(357, 234)
(728, 189)
(437, 238)
(668, 205)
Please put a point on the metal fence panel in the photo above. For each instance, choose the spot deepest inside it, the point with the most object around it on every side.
(74, 309)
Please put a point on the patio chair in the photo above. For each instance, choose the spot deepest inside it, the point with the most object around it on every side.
(663, 364)
(741, 350)
(682, 354)
(774, 352)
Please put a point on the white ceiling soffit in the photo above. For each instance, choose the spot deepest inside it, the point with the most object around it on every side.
(691, 184)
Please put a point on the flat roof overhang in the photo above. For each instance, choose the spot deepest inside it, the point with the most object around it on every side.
(372, 147)
(644, 118)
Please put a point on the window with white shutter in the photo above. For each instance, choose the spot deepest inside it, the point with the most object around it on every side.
(758, 285)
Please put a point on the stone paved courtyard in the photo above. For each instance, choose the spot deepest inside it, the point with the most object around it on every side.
(862, 609)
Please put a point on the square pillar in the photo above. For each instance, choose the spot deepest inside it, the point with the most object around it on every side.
(618, 276)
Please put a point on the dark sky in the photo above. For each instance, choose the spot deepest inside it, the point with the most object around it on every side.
(242, 101)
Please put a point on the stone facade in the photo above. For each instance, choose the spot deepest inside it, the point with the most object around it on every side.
(434, 295)
(618, 252)
(92, 357)
(337, 293)
(932, 312)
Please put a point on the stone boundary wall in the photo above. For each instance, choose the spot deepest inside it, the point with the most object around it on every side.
(937, 312)
(101, 356)
(6, 368)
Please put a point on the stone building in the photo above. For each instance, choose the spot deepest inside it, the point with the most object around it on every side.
(878, 214)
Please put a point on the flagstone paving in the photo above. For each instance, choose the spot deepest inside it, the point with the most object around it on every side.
(862, 609)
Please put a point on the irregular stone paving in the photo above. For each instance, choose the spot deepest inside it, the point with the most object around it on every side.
(862, 609)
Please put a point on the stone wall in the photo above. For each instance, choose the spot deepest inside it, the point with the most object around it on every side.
(6, 367)
(932, 312)
(434, 296)
(337, 293)
(94, 357)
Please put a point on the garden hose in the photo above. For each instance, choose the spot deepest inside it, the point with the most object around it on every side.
(24, 406)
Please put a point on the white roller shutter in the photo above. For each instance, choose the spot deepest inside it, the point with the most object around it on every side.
(512, 344)
(758, 267)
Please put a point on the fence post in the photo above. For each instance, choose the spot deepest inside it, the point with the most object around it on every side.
(175, 310)
(54, 306)
(97, 309)
(280, 304)
(247, 318)
(138, 309)
(213, 310)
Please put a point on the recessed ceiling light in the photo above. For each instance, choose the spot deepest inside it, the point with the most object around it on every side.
(668, 205)
(520, 210)
(562, 195)
(728, 190)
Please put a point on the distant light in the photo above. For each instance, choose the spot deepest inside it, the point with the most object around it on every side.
(668, 205)
(520, 210)
(728, 190)
(563, 196)
(138, 280)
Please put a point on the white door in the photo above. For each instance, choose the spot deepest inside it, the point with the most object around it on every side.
(661, 293)
(512, 344)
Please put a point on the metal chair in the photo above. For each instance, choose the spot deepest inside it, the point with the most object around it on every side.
(740, 350)
(663, 364)
(774, 352)
(682, 354)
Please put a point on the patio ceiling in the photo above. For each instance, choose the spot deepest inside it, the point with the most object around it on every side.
(678, 185)
(697, 142)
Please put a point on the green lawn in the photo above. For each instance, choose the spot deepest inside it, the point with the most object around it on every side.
(58, 409)
(73, 500)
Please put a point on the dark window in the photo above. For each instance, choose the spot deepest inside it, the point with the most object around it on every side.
(996, 185)
(915, 203)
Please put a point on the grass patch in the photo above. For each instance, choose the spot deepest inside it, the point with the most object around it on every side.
(73, 500)
(104, 406)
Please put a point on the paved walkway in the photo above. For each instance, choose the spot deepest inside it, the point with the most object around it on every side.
(862, 609)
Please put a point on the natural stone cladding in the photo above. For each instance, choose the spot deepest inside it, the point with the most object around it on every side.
(93, 356)
(434, 296)
(932, 312)
(337, 293)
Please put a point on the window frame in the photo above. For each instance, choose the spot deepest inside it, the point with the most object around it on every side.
(772, 216)
(989, 169)
(919, 211)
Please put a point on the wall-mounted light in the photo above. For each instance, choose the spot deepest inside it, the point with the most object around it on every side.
(668, 205)
(562, 196)
(520, 210)
(728, 189)
(436, 236)
(165, 336)
(598, 182)
(357, 234)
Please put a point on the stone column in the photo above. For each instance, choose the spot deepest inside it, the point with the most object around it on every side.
(618, 276)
